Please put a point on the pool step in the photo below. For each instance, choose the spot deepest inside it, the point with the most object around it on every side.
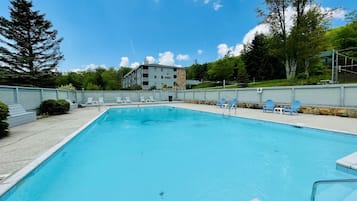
(349, 161)
(337, 192)
(352, 196)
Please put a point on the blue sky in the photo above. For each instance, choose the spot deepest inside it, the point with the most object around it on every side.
(111, 33)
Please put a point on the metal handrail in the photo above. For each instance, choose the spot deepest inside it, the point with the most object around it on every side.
(316, 183)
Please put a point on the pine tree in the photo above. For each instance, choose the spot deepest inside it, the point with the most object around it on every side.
(29, 48)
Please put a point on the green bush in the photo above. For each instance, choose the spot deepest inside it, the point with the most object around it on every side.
(54, 107)
(4, 113)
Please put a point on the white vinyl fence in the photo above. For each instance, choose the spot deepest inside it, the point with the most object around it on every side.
(316, 95)
(319, 95)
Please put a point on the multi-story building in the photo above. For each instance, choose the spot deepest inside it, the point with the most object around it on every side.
(157, 76)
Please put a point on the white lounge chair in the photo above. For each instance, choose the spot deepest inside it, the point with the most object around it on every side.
(100, 101)
(72, 105)
(89, 101)
(127, 100)
(142, 99)
(119, 100)
(151, 99)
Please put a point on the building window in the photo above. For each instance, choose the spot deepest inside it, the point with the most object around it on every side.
(155, 76)
(174, 69)
(145, 67)
(175, 76)
(145, 75)
(162, 77)
(145, 83)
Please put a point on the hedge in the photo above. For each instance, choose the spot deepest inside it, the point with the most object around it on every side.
(4, 113)
(54, 107)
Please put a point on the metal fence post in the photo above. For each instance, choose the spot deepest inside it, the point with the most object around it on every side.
(57, 94)
(342, 96)
(292, 94)
(16, 95)
(41, 95)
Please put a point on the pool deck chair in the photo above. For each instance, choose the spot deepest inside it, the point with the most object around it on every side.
(89, 101)
(151, 99)
(233, 105)
(293, 108)
(19, 116)
(127, 100)
(221, 103)
(268, 105)
(101, 101)
(119, 100)
(72, 105)
(142, 99)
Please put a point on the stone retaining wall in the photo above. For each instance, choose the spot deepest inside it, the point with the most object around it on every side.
(342, 112)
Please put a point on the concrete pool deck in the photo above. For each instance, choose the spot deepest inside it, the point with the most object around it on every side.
(27, 142)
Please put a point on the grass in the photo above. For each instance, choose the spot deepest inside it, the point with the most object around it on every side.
(313, 80)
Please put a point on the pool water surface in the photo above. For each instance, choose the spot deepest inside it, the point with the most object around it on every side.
(167, 153)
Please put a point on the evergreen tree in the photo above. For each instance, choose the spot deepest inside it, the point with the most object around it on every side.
(29, 48)
(260, 61)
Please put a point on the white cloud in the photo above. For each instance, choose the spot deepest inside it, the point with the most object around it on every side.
(124, 61)
(91, 67)
(199, 51)
(135, 64)
(167, 58)
(339, 13)
(334, 13)
(76, 70)
(149, 60)
(259, 29)
(237, 50)
(217, 5)
(223, 49)
(183, 57)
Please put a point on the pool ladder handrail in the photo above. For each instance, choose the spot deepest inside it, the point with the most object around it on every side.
(318, 182)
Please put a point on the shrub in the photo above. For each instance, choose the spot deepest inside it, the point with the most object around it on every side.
(4, 113)
(69, 87)
(63, 105)
(54, 107)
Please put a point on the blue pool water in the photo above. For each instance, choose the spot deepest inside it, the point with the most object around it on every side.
(164, 153)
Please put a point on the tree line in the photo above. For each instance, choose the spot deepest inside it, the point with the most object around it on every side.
(284, 53)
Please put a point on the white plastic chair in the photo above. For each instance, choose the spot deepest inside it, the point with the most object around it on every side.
(119, 100)
(89, 101)
(127, 100)
(142, 99)
(100, 101)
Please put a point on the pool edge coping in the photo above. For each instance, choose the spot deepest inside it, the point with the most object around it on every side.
(7, 184)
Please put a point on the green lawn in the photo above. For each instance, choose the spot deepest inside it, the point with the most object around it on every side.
(269, 83)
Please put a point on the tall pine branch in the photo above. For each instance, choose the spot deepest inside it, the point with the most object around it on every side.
(29, 48)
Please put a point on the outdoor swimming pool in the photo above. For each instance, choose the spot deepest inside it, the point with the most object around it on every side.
(166, 153)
